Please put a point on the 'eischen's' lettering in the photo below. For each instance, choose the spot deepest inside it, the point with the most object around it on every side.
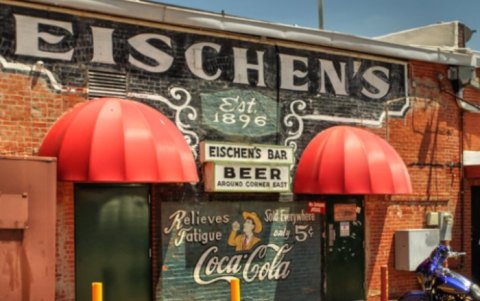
(152, 52)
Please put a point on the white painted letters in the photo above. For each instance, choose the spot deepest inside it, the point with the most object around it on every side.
(288, 74)
(102, 45)
(338, 83)
(193, 57)
(29, 36)
(241, 67)
(141, 44)
(210, 268)
(381, 85)
(35, 37)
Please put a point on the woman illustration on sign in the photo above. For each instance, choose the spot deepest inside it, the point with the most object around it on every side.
(245, 241)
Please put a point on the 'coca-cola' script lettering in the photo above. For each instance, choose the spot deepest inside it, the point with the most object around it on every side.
(211, 268)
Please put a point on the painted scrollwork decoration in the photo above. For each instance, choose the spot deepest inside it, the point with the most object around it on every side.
(294, 121)
(182, 108)
(181, 94)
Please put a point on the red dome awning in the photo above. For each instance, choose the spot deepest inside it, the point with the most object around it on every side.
(348, 160)
(118, 140)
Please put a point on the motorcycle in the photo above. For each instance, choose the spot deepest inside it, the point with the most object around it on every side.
(440, 283)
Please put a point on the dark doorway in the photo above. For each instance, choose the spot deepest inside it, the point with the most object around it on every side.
(112, 241)
(344, 249)
(476, 233)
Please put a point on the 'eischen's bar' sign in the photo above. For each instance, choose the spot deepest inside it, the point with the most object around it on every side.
(234, 177)
(253, 153)
(232, 167)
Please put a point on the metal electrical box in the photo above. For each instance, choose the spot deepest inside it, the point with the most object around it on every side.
(446, 225)
(412, 246)
(442, 220)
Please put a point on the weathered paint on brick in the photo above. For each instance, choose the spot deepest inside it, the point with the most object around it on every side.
(427, 133)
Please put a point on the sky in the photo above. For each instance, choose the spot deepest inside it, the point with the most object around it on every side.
(367, 18)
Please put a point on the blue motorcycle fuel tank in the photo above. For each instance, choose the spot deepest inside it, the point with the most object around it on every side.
(453, 283)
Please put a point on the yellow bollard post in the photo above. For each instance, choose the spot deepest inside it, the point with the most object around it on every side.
(97, 291)
(235, 289)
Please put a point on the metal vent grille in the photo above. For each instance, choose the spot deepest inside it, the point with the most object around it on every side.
(106, 84)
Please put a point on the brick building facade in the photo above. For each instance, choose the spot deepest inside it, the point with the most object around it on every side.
(279, 87)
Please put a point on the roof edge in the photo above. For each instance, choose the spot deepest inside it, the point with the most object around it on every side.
(452, 34)
(174, 15)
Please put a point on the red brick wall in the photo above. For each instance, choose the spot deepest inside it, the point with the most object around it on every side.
(471, 141)
(472, 130)
(427, 140)
(28, 109)
(65, 285)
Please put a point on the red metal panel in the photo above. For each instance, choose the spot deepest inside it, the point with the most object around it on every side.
(27, 256)
(11, 284)
(13, 211)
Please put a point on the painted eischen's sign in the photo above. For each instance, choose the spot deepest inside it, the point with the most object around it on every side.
(55, 39)
(212, 85)
(230, 167)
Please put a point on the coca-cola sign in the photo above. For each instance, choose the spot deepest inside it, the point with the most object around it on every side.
(272, 247)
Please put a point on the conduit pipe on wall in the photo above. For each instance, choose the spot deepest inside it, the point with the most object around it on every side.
(462, 103)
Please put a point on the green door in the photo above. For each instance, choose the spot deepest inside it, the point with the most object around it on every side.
(344, 251)
(476, 234)
(112, 241)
